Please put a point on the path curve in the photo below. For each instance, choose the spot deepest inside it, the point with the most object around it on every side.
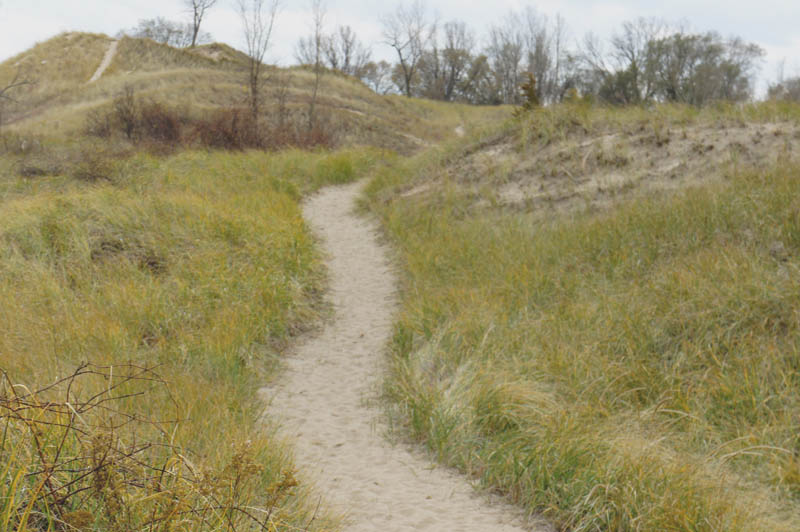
(323, 399)
(110, 53)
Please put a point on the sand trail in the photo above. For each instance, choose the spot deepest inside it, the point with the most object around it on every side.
(323, 399)
(110, 53)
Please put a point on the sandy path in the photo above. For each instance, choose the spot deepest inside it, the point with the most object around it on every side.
(323, 398)
(110, 53)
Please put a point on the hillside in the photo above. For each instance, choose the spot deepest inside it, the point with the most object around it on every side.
(200, 81)
(151, 286)
(598, 306)
(571, 157)
(600, 313)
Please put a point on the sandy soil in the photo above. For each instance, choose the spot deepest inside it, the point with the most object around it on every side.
(326, 403)
(599, 170)
(110, 53)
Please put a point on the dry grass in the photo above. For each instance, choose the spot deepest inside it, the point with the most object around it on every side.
(204, 81)
(633, 368)
(189, 273)
(572, 156)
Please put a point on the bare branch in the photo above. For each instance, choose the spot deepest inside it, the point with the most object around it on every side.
(198, 9)
(258, 21)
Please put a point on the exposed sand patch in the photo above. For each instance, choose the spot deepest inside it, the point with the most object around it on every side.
(577, 171)
(323, 399)
(110, 53)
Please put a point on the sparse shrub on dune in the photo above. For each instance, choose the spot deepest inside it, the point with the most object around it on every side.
(228, 129)
(161, 129)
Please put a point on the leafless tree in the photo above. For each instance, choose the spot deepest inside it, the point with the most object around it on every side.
(345, 53)
(625, 72)
(459, 42)
(198, 9)
(258, 21)
(168, 32)
(443, 67)
(19, 80)
(545, 47)
(528, 42)
(377, 76)
(785, 89)
(407, 32)
(506, 53)
(318, 21)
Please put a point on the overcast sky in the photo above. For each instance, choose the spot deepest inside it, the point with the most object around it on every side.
(773, 24)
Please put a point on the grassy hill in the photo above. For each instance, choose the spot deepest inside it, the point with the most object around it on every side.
(601, 313)
(149, 289)
(202, 80)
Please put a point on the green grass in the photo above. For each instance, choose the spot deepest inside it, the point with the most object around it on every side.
(198, 266)
(633, 369)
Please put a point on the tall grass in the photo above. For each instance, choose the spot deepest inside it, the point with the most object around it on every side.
(636, 369)
(561, 122)
(193, 271)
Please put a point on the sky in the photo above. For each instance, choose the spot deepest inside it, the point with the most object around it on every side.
(773, 24)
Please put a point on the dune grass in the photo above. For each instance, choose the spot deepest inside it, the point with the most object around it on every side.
(180, 279)
(636, 368)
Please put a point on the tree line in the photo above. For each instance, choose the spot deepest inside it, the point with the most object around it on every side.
(644, 60)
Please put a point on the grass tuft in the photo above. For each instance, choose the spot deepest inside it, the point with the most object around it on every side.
(631, 368)
(180, 281)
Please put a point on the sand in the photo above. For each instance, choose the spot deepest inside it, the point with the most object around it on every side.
(325, 401)
(110, 53)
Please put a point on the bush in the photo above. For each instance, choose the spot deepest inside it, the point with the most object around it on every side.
(162, 128)
(93, 162)
(74, 460)
(159, 123)
(125, 112)
(228, 129)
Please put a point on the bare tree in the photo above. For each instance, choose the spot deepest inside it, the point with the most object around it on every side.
(168, 32)
(198, 9)
(18, 81)
(506, 53)
(377, 76)
(258, 20)
(345, 53)
(625, 73)
(318, 20)
(785, 89)
(406, 30)
(459, 42)
(444, 65)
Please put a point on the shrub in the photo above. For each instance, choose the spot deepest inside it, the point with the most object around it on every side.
(530, 96)
(98, 124)
(228, 129)
(162, 128)
(74, 459)
(93, 162)
(125, 112)
(159, 123)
